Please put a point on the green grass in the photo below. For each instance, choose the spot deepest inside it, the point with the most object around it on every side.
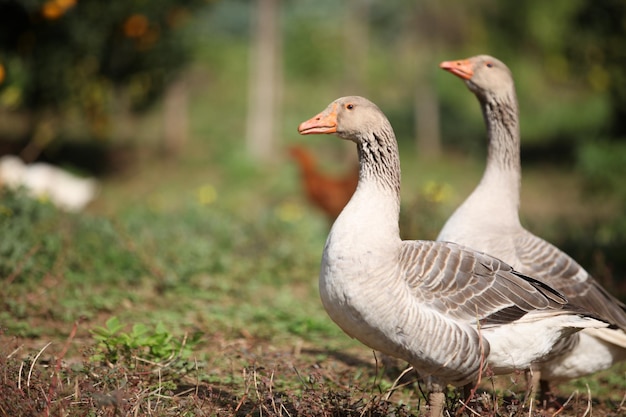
(236, 269)
(229, 267)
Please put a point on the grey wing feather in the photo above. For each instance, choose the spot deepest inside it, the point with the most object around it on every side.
(471, 286)
(551, 265)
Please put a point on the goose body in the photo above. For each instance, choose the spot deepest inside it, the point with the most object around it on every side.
(445, 309)
(488, 221)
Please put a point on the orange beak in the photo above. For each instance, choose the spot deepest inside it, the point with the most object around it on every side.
(462, 69)
(325, 122)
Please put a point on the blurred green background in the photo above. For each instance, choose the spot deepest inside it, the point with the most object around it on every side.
(166, 101)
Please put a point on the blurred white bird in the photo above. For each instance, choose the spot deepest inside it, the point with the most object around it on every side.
(65, 190)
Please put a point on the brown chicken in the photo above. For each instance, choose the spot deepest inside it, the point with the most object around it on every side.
(330, 194)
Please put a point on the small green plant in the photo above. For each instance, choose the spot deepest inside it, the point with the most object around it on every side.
(143, 343)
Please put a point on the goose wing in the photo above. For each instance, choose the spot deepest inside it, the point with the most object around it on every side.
(551, 265)
(472, 286)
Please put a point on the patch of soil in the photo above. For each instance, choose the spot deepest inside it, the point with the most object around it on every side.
(240, 377)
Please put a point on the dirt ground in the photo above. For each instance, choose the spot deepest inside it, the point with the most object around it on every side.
(244, 376)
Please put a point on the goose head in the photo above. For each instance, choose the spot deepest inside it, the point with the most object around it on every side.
(359, 120)
(353, 118)
(484, 75)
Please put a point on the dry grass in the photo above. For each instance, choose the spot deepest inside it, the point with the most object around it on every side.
(247, 377)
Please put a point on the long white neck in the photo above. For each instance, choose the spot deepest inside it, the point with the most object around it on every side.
(498, 193)
(369, 222)
(502, 120)
(494, 204)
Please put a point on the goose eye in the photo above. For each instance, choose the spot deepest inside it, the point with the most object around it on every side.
(349, 106)
(489, 64)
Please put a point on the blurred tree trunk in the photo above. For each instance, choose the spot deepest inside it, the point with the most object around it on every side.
(425, 37)
(357, 46)
(175, 117)
(427, 127)
(126, 122)
(44, 131)
(264, 80)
